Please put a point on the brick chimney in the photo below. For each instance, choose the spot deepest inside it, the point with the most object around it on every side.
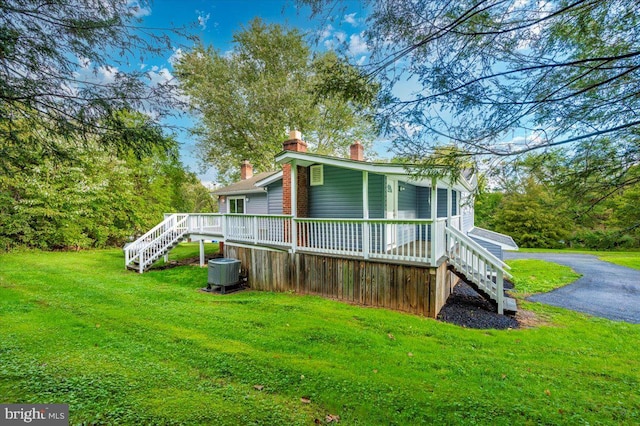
(356, 151)
(246, 170)
(295, 143)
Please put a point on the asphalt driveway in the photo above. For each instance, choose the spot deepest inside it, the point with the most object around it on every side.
(604, 290)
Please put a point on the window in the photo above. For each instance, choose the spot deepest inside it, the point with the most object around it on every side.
(236, 205)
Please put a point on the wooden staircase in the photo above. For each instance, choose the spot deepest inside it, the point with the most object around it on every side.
(165, 236)
(509, 303)
(480, 269)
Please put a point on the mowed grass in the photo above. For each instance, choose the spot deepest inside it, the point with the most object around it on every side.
(630, 259)
(124, 348)
(532, 276)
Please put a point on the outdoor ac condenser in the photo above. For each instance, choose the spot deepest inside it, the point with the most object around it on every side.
(223, 272)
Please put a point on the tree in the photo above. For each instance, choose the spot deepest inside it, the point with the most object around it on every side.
(534, 217)
(507, 77)
(88, 196)
(64, 68)
(270, 82)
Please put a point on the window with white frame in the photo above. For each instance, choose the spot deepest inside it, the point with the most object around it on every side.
(236, 205)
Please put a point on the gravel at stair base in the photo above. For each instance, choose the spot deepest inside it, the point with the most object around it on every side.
(467, 308)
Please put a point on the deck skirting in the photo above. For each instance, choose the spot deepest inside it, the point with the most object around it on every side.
(414, 288)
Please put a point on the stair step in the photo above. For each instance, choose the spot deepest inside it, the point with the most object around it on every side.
(509, 304)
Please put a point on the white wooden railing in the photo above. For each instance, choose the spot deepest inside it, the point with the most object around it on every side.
(258, 229)
(149, 247)
(394, 239)
(413, 240)
(477, 264)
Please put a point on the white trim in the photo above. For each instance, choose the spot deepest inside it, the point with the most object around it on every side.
(240, 197)
(306, 159)
(319, 181)
(494, 242)
(257, 247)
(269, 180)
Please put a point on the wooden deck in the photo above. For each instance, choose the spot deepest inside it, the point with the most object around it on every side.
(418, 289)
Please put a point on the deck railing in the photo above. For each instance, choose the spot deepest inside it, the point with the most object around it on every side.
(146, 249)
(412, 240)
(477, 264)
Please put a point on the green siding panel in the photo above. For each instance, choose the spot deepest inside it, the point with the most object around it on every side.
(339, 197)
(407, 201)
(376, 196)
(424, 202)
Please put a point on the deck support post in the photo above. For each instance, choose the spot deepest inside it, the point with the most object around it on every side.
(202, 253)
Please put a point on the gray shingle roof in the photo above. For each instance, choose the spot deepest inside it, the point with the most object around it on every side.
(246, 186)
(503, 240)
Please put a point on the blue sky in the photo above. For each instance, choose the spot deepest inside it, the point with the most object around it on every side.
(216, 21)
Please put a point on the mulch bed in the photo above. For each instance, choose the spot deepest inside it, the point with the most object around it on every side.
(467, 308)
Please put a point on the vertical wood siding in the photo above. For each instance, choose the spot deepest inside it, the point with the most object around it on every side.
(408, 288)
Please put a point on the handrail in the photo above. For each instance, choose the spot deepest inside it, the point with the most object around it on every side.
(473, 244)
(360, 220)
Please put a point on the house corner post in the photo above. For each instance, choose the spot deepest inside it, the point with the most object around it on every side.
(294, 206)
(434, 218)
(365, 214)
(449, 205)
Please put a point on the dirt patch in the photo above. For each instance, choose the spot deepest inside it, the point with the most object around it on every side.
(189, 261)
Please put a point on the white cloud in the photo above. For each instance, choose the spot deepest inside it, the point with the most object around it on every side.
(351, 19)
(203, 19)
(326, 32)
(175, 56)
(159, 76)
(357, 45)
(137, 10)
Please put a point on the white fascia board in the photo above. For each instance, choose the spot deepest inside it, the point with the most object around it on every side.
(269, 180)
(305, 159)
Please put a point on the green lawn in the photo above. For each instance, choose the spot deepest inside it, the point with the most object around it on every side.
(537, 276)
(123, 348)
(630, 259)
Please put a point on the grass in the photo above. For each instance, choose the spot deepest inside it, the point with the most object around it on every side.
(630, 259)
(123, 348)
(538, 276)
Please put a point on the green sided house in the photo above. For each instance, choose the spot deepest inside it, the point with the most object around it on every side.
(362, 232)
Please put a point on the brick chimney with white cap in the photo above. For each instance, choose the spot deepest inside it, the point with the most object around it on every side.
(356, 151)
(246, 170)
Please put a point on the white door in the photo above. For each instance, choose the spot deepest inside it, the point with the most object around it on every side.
(391, 212)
